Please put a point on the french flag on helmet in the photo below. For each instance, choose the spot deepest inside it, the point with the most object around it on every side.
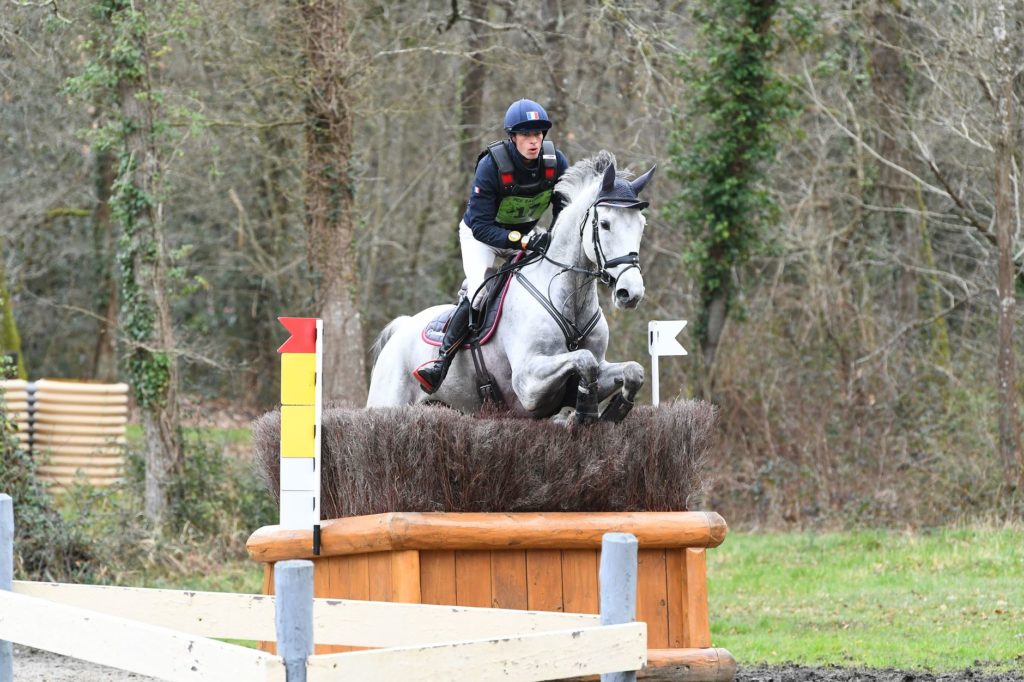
(524, 115)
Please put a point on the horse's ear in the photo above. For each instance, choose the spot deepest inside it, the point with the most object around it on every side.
(608, 183)
(642, 181)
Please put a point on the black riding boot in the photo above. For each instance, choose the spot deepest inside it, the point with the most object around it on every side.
(431, 374)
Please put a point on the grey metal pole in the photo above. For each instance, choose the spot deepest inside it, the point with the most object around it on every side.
(293, 587)
(6, 577)
(618, 588)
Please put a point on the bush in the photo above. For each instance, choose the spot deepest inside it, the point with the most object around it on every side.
(217, 497)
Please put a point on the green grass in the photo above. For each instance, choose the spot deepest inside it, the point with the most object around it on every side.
(942, 600)
(225, 438)
(242, 576)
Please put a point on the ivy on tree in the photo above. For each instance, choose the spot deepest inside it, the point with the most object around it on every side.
(720, 147)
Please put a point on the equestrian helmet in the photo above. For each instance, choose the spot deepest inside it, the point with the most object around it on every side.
(525, 115)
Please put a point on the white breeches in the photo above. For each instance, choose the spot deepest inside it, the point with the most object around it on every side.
(476, 258)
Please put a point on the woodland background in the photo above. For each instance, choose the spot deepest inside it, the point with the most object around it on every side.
(837, 211)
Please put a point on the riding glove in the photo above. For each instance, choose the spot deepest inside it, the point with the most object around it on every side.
(537, 242)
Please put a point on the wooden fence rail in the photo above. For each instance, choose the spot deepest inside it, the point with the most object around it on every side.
(166, 633)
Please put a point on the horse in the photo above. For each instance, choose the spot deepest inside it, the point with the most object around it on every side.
(549, 348)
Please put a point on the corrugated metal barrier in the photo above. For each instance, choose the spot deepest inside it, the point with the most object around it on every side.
(73, 428)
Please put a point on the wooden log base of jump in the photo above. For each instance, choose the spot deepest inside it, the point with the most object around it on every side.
(538, 561)
(483, 531)
(682, 665)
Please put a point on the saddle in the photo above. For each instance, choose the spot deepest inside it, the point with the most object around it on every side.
(484, 321)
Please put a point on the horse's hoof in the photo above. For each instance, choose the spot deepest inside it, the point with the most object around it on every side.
(617, 409)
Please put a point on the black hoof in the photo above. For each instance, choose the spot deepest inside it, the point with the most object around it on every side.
(617, 409)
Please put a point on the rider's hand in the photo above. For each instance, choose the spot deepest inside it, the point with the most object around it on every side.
(537, 242)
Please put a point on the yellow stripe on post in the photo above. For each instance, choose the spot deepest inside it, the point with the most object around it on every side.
(298, 378)
(297, 431)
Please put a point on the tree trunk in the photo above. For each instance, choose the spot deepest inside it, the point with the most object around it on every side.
(554, 41)
(890, 84)
(1007, 118)
(145, 305)
(104, 364)
(471, 99)
(715, 312)
(329, 225)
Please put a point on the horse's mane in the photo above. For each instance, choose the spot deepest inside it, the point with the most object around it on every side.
(583, 172)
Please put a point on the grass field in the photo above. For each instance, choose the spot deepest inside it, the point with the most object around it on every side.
(942, 600)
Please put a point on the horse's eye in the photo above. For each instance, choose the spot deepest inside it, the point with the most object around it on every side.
(605, 225)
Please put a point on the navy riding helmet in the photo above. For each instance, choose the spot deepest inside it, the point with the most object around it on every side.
(526, 115)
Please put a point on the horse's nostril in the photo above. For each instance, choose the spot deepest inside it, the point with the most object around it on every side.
(622, 294)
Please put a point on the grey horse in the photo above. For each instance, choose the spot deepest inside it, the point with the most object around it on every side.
(549, 349)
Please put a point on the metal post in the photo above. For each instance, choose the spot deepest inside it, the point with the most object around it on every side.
(6, 577)
(293, 587)
(655, 389)
(618, 588)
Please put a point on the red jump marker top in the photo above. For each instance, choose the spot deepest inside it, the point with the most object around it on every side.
(303, 338)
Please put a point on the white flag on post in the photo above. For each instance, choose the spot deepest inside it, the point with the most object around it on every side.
(662, 337)
(661, 340)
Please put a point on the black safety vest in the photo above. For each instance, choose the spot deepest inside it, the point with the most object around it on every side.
(522, 203)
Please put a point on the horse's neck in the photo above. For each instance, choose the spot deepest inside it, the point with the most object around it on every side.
(572, 293)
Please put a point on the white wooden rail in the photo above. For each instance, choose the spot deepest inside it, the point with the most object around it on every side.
(166, 633)
(129, 644)
(335, 621)
(522, 658)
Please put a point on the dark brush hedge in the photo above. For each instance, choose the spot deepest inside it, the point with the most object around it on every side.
(435, 459)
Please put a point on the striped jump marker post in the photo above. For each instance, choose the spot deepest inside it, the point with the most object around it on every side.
(301, 408)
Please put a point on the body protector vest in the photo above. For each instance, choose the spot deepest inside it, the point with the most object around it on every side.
(522, 203)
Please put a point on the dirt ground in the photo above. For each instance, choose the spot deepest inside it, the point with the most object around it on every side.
(795, 673)
(32, 665)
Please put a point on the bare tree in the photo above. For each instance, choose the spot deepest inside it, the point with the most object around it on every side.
(1006, 47)
(146, 307)
(329, 196)
(104, 364)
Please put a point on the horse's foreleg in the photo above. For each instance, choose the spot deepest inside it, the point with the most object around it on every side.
(613, 375)
(541, 377)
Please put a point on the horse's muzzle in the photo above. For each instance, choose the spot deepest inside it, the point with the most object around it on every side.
(624, 298)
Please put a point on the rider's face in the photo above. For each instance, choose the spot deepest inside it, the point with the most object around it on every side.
(528, 143)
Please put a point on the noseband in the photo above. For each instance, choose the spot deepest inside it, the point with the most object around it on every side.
(631, 259)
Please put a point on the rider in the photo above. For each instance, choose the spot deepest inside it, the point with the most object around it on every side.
(512, 188)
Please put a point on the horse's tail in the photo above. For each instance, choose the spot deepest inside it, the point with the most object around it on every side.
(383, 338)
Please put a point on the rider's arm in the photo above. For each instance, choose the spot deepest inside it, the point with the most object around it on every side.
(483, 207)
(558, 201)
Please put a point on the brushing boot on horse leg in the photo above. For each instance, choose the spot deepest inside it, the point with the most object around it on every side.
(431, 374)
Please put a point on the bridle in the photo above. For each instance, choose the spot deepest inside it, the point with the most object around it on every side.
(632, 259)
(574, 335)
